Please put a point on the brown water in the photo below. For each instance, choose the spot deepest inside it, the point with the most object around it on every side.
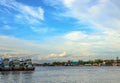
(64, 75)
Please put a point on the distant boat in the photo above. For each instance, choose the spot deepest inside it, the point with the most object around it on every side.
(8, 64)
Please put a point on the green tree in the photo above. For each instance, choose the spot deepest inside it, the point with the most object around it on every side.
(98, 61)
(80, 62)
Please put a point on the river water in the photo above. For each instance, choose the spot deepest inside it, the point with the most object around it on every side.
(63, 75)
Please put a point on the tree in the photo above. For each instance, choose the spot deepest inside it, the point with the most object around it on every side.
(57, 63)
(98, 61)
(80, 62)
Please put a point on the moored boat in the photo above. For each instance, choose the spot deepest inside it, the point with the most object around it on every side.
(8, 64)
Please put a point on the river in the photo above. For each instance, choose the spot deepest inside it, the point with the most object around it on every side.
(63, 74)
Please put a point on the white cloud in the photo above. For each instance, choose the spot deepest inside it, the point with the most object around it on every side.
(90, 46)
(53, 3)
(76, 35)
(52, 55)
(18, 46)
(42, 30)
(7, 27)
(94, 45)
(35, 12)
(82, 36)
(27, 14)
(101, 13)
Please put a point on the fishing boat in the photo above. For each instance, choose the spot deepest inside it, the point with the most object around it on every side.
(15, 64)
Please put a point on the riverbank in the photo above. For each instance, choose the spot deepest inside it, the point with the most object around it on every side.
(97, 62)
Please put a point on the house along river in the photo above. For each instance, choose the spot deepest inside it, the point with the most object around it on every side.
(63, 74)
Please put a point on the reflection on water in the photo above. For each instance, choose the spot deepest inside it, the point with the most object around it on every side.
(16, 77)
(63, 75)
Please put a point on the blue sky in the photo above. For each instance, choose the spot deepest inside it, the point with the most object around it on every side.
(60, 29)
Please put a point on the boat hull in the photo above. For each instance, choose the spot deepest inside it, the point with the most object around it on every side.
(17, 69)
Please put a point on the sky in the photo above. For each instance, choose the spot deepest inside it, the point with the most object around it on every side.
(60, 30)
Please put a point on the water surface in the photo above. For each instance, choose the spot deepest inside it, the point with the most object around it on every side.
(63, 75)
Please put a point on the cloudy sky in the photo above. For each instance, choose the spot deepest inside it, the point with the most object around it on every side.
(50, 30)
